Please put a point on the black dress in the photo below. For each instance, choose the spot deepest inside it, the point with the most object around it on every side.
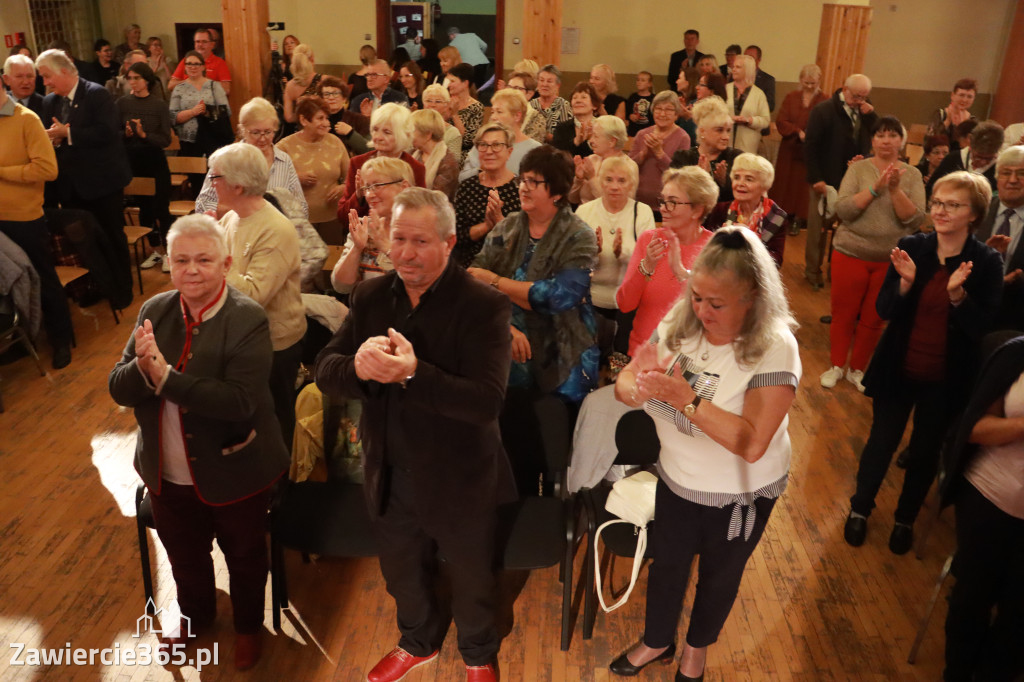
(471, 209)
(691, 156)
(611, 103)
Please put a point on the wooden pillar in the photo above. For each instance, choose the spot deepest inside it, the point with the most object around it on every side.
(1008, 104)
(542, 31)
(247, 44)
(842, 43)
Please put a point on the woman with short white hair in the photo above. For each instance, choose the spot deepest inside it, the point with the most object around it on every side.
(257, 126)
(607, 140)
(712, 152)
(442, 168)
(748, 105)
(618, 220)
(655, 145)
(508, 107)
(752, 177)
(438, 98)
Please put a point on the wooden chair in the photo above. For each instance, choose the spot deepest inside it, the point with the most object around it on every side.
(181, 167)
(134, 231)
(68, 274)
(917, 133)
(914, 153)
(11, 333)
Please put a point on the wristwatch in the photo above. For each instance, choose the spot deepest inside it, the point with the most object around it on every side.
(691, 409)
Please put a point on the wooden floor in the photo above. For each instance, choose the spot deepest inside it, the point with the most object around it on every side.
(810, 607)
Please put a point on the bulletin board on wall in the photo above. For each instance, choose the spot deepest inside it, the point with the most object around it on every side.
(410, 20)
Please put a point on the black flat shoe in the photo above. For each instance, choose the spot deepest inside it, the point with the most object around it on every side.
(680, 677)
(902, 538)
(622, 666)
(855, 531)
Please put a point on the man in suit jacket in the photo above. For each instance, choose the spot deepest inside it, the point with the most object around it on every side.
(731, 53)
(978, 156)
(84, 127)
(837, 130)
(427, 349)
(687, 57)
(763, 80)
(20, 78)
(1001, 229)
(377, 79)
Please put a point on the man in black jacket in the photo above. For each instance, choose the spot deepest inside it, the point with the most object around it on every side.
(687, 57)
(838, 131)
(1002, 229)
(20, 79)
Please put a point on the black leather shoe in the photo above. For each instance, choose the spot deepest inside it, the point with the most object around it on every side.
(61, 356)
(680, 677)
(622, 666)
(855, 531)
(902, 538)
(903, 459)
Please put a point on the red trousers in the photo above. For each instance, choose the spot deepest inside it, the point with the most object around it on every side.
(855, 322)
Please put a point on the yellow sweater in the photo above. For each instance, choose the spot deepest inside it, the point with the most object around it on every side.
(27, 162)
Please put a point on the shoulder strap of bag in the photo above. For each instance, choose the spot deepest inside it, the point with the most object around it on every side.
(636, 205)
(638, 560)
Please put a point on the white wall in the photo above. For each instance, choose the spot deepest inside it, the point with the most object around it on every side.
(14, 19)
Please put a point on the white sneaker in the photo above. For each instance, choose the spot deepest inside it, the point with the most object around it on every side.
(830, 377)
(153, 260)
(165, 266)
(854, 376)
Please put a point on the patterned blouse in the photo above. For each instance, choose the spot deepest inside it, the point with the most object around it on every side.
(185, 96)
(472, 118)
(471, 209)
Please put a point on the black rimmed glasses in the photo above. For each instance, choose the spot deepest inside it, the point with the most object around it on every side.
(366, 189)
(490, 146)
(531, 183)
(946, 206)
(671, 204)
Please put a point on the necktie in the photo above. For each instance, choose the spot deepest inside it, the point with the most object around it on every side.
(1004, 226)
(65, 109)
(855, 117)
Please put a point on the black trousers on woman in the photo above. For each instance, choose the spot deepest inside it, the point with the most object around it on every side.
(989, 570)
(681, 530)
(148, 161)
(933, 413)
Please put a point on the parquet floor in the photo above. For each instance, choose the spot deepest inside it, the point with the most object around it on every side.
(810, 608)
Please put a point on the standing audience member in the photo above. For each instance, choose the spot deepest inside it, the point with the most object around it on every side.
(880, 200)
(27, 162)
(655, 146)
(573, 136)
(711, 84)
(488, 196)
(1002, 228)
(618, 220)
(638, 105)
(146, 124)
(712, 153)
(104, 67)
(837, 131)
(936, 148)
(977, 156)
(607, 140)
(718, 378)
(264, 249)
(748, 104)
(985, 481)
(437, 98)
(752, 177)
(401, 350)
(20, 78)
(157, 60)
(64, 46)
(534, 123)
(378, 75)
(119, 87)
(508, 107)
(411, 81)
(214, 398)
(472, 51)
(707, 64)
(791, 190)
(132, 41)
(685, 58)
(84, 128)
(195, 105)
(447, 58)
(602, 78)
(763, 80)
(940, 295)
(731, 53)
(541, 258)
(305, 80)
(548, 103)
(216, 68)
(321, 164)
(441, 168)
(351, 128)
(358, 83)
(467, 113)
(945, 119)
(427, 59)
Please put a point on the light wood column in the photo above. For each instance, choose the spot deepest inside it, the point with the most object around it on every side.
(247, 44)
(542, 31)
(1008, 105)
(842, 43)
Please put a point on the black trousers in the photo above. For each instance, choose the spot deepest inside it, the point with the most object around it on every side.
(109, 213)
(989, 569)
(33, 238)
(409, 549)
(148, 161)
(933, 413)
(682, 530)
(284, 370)
(623, 327)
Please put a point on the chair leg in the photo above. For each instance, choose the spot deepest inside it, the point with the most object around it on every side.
(138, 265)
(23, 337)
(922, 630)
(589, 596)
(570, 547)
(147, 574)
(117, 320)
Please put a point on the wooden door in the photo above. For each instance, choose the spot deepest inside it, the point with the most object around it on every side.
(842, 43)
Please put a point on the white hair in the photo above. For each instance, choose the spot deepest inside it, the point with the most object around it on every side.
(56, 60)
(18, 60)
(197, 225)
(417, 197)
(243, 165)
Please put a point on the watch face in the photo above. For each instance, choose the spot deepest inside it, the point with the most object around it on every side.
(689, 410)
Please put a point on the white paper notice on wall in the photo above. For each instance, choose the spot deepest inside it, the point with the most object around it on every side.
(417, 17)
(400, 19)
(570, 41)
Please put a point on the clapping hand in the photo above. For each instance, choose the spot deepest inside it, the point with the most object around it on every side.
(150, 360)
(581, 167)
(57, 132)
(905, 268)
(656, 250)
(999, 242)
(358, 229)
(386, 359)
(493, 215)
(366, 106)
(895, 174)
(675, 259)
(956, 280)
(616, 243)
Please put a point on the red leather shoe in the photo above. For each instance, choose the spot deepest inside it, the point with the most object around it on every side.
(482, 673)
(396, 665)
(248, 649)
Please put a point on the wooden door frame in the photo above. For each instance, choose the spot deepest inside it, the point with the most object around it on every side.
(384, 45)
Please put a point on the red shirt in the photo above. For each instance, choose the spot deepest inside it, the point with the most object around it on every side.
(216, 69)
(926, 348)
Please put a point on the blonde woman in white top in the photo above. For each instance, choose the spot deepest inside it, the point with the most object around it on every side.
(748, 105)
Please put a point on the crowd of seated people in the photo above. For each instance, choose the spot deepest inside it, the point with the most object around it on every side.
(655, 215)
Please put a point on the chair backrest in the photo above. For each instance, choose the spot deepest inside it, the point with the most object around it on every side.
(555, 432)
(636, 439)
(143, 187)
(187, 164)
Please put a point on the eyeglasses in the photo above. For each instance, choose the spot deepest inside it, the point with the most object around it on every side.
(518, 87)
(946, 206)
(488, 146)
(260, 133)
(671, 204)
(531, 183)
(375, 75)
(366, 189)
(665, 110)
(330, 94)
(193, 63)
(1007, 173)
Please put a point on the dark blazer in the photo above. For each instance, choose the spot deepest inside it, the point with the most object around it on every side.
(449, 409)
(95, 163)
(1011, 307)
(564, 137)
(829, 143)
(691, 157)
(766, 82)
(953, 162)
(35, 104)
(232, 437)
(388, 96)
(675, 63)
(968, 322)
